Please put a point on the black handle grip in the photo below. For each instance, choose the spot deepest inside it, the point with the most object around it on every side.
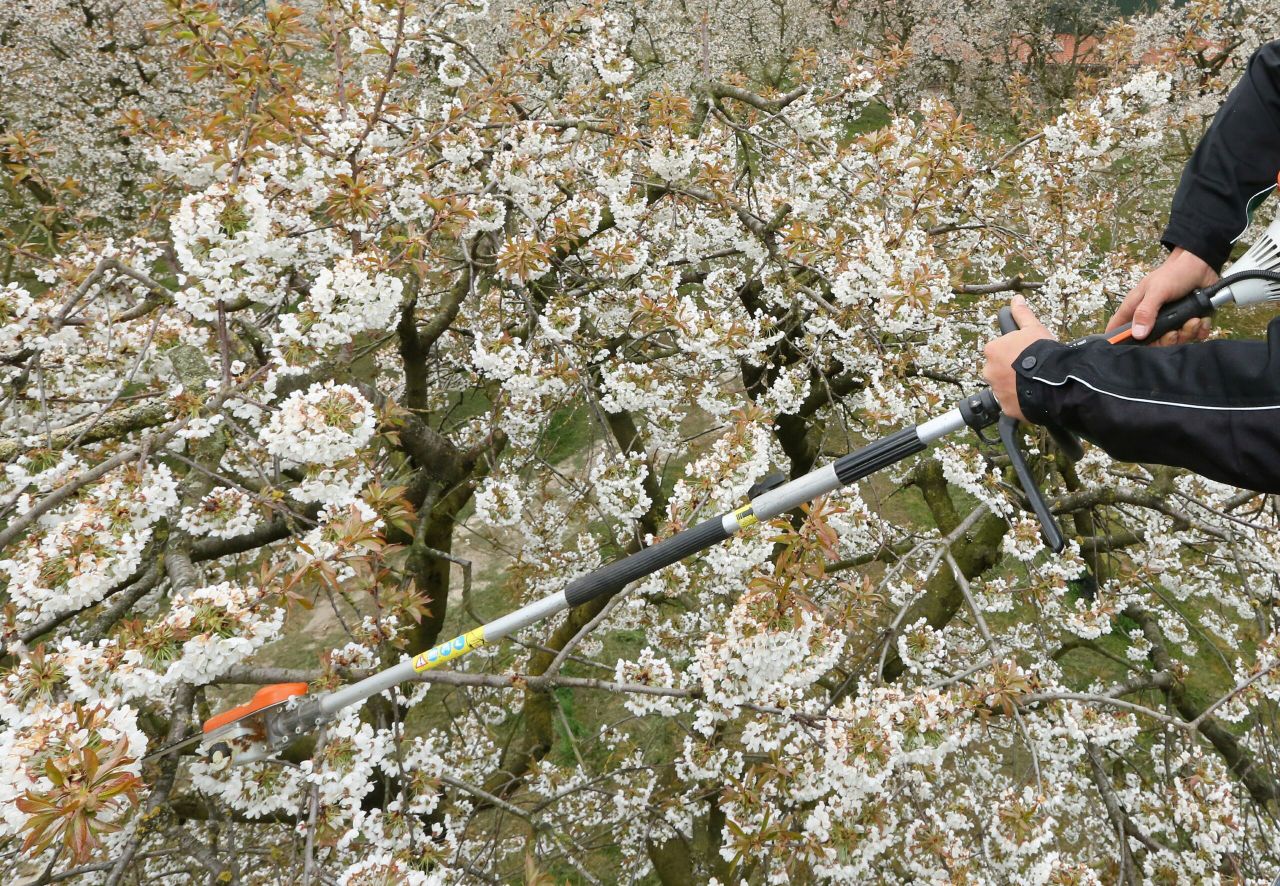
(613, 577)
(1048, 526)
(1068, 442)
(1171, 316)
(1007, 323)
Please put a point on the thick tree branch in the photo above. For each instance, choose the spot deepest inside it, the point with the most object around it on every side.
(759, 102)
(1262, 788)
(94, 429)
(1013, 284)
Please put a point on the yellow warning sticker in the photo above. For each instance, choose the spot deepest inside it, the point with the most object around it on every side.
(449, 650)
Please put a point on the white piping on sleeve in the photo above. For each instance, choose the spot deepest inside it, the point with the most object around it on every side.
(1076, 378)
(1248, 218)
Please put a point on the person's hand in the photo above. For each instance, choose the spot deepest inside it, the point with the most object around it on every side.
(1003, 351)
(1180, 273)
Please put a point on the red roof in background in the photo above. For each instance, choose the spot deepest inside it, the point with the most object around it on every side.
(1070, 49)
(1082, 50)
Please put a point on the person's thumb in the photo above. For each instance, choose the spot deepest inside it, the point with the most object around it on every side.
(1145, 316)
(1023, 314)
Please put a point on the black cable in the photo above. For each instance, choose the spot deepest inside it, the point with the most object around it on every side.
(1252, 274)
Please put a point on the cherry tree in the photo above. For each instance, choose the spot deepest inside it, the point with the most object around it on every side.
(425, 282)
(80, 82)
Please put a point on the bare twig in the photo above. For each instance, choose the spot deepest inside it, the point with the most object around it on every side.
(586, 630)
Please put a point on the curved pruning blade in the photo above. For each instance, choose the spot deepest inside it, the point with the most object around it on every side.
(176, 746)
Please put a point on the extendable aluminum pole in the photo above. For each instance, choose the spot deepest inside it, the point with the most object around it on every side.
(975, 412)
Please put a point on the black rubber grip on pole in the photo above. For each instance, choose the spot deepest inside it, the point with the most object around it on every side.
(611, 578)
(880, 454)
(1173, 315)
(1068, 442)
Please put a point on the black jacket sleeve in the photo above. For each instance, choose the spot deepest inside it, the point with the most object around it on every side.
(1235, 162)
(1212, 407)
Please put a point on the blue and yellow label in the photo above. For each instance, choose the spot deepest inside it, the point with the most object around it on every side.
(449, 650)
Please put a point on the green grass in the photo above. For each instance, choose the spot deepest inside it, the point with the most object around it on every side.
(873, 117)
(567, 433)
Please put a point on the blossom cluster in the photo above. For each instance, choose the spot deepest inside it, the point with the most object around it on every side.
(82, 551)
(205, 632)
(324, 425)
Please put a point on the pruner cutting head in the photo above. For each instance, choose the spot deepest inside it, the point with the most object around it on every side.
(252, 731)
(275, 716)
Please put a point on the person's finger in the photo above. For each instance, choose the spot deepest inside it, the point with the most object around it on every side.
(1124, 313)
(1023, 314)
(1144, 317)
(1206, 329)
(1169, 338)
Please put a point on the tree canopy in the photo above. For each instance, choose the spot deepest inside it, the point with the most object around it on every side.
(332, 330)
